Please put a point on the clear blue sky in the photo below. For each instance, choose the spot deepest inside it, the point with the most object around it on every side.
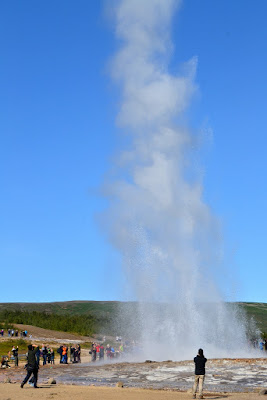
(58, 135)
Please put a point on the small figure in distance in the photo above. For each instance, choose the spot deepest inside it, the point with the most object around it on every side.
(200, 362)
(15, 351)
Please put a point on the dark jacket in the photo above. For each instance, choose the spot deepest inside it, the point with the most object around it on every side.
(200, 365)
(15, 352)
(31, 358)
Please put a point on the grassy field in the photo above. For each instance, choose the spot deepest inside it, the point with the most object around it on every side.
(6, 346)
(102, 313)
(257, 311)
(96, 308)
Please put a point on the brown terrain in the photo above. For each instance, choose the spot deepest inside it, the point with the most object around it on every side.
(40, 333)
(11, 391)
(10, 378)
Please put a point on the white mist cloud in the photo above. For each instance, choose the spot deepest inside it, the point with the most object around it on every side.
(150, 94)
(157, 218)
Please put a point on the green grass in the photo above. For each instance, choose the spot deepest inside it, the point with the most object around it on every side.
(96, 308)
(86, 345)
(81, 317)
(6, 346)
(257, 311)
(83, 325)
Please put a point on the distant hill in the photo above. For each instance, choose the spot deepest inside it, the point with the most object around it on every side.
(79, 307)
(81, 317)
(98, 316)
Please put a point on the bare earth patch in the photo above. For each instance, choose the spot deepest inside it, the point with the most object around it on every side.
(40, 333)
(61, 392)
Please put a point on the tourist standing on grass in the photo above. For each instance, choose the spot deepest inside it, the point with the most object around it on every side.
(32, 366)
(15, 351)
(200, 362)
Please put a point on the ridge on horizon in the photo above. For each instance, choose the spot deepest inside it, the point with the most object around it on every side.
(112, 301)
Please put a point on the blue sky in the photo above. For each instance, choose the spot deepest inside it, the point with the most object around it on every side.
(58, 137)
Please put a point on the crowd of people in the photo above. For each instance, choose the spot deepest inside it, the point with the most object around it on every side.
(259, 344)
(98, 352)
(47, 355)
(15, 357)
(44, 355)
(14, 333)
(75, 354)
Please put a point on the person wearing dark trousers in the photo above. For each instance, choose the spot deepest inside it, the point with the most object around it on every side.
(200, 362)
(52, 356)
(15, 351)
(78, 347)
(37, 356)
(31, 366)
(60, 351)
(101, 353)
(44, 353)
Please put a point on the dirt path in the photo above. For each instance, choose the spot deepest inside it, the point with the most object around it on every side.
(41, 333)
(59, 392)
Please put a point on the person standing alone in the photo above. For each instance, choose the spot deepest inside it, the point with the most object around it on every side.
(15, 351)
(200, 362)
(32, 367)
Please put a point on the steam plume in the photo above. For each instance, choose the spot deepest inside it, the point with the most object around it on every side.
(158, 220)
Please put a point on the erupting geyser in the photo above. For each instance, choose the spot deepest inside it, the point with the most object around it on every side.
(158, 220)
